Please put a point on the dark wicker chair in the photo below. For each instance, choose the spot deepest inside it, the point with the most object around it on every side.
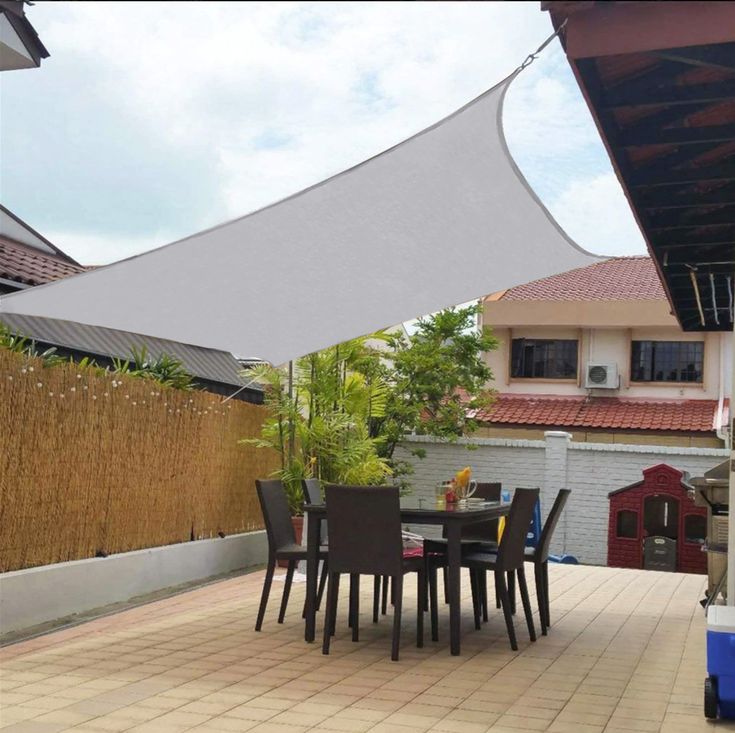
(365, 539)
(281, 543)
(539, 556)
(509, 559)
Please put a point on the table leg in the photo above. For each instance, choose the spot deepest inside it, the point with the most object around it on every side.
(454, 551)
(312, 571)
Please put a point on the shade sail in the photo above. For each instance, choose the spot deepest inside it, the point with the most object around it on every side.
(441, 218)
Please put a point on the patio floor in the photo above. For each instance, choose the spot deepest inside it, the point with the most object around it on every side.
(626, 653)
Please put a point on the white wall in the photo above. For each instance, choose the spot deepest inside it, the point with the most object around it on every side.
(590, 470)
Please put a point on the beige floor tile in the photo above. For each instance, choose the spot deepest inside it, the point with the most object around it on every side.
(624, 652)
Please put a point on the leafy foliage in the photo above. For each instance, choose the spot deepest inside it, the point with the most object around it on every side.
(165, 369)
(19, 344)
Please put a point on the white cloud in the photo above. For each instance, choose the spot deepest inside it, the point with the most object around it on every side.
(594, 211)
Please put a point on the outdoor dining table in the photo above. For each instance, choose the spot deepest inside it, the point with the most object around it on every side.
(414, 510)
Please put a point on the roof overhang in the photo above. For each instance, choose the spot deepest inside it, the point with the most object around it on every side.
(659, 79)
(20, 46)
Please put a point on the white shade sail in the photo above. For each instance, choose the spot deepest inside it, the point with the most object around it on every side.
(442, 218)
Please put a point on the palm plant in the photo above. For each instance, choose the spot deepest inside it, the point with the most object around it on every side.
(318, 423)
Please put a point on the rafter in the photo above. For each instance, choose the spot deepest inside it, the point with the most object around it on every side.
(644, 94)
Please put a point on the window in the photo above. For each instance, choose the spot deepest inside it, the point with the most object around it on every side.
(695, 528)
(544, 358)
(667, 361)
(627, 524)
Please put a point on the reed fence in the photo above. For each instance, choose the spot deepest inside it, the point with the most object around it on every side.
(94, 464)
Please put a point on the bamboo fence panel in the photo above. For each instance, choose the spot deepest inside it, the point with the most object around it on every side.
(97, 463)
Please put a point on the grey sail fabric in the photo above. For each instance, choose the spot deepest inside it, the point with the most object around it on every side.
(441, 218)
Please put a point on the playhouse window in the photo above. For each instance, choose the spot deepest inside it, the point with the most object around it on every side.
(695, 528)
(627, 524)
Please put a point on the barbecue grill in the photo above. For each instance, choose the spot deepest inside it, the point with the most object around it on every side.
(711, 490)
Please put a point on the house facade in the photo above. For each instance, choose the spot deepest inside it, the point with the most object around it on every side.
(597, 352)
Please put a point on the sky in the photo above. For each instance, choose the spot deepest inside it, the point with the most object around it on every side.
(151, 121)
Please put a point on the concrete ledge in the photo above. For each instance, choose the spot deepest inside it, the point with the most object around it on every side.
(38, 595)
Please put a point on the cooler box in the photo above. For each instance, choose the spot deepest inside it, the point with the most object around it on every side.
(720, 685)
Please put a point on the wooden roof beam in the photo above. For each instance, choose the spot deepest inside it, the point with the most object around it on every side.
(723, 172)
(644, 95)
(720, 56)
(649, 135)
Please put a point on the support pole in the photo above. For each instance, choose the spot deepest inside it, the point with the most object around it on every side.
(731, 524)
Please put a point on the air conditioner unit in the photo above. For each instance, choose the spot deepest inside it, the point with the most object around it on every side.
(601, 376)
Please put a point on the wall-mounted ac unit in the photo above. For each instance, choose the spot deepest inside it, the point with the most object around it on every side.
(601, 376)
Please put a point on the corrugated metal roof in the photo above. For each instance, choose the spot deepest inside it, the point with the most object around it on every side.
(209, 364)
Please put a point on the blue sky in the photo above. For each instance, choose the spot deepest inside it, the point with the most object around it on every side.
(151, 121)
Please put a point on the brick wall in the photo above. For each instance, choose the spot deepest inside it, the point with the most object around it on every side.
(591, 470)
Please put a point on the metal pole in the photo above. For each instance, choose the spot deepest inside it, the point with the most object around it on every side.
(731, 523)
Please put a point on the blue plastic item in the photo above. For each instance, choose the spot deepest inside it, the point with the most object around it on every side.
(564, 559)
(534, 532)
(720, 685)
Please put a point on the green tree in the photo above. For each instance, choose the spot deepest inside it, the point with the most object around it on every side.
(438, 379)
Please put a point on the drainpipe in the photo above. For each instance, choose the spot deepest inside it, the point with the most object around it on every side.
(722, 432)
(731, 524)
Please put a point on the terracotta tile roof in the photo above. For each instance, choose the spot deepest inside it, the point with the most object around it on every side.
(620, 278)
(602, 412)
(30, 266)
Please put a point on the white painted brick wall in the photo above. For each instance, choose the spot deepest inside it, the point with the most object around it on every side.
(591, 470)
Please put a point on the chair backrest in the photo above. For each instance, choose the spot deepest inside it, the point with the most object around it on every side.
(542, 551)
(312, 488)
(274, 505)
(512, 550)
(364, 524)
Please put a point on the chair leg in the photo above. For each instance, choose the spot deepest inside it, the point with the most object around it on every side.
(526, 602)
(483, 594)
(322, 584)
(497, 598)
(331, 610)
(333, 620)
(512, 591)
(547, 603)
(539, 579)
(475, 597)
(420, 606)
(355, 605)
(445, 576)
(433, 602)
(397, 586)
(286, 590)
(505, 603)
(376, 598)
(266, 590)
(384, 597)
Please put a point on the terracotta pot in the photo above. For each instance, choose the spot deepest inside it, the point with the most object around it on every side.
(298, 528)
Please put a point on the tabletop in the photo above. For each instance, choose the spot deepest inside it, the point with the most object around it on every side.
(429, 511)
